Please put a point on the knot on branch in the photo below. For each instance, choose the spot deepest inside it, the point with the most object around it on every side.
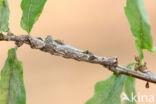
(142, 67)
(3, 37)
(111, 62)
(18, 43)
(36, 43)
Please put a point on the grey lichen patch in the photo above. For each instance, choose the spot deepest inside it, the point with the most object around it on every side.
(39, 38)
(60, 42)
(49, 39)
(91, 57)
(36, 43)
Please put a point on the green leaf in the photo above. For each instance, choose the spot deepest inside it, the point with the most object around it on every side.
(12, 89)
(130, 90)
(108, 91)
(31, 12)
(129, 87)
(4, 16)
(139, 25)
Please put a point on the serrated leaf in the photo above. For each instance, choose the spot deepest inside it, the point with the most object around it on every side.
(108, 91)
(139, 25)
(31, 12)
(4, 16)
(12, 89)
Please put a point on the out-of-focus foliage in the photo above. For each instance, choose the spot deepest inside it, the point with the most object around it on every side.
(139, 24)
(109, 91)
(32, 9)
(129, 88)
(4, 16)
(12, 89)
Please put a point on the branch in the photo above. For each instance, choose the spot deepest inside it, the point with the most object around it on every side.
(58, 48)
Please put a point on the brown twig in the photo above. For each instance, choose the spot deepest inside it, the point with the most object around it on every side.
(58, 48)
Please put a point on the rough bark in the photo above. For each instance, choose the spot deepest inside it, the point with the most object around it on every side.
(58, 48)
